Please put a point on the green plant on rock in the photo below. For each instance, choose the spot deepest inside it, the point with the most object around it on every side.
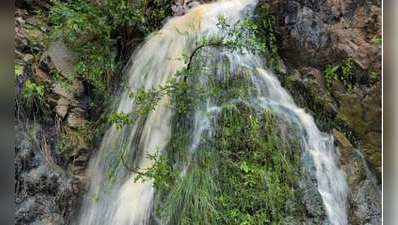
(330, 74)
(72, 140)
(246, 171)
(33, 98)
(343, 72)
(347, 67)
(18, 70)
(93, 31)
(33, 91)
(374, 76)
(378, 40)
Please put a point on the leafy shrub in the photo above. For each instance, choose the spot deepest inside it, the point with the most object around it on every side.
(330, 74)
(120, 120)
(343, 72)
(33, 98)
(93, 32)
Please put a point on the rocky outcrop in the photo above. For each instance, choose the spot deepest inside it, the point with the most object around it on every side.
(314, 34)
(365, 191)
(49, 183)
(44, 192)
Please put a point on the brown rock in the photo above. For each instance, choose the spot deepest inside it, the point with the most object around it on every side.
(344, 145)
(41, 76)
(361, 110)
(62, 90)
(62, 107)
(28, 58)
(76, 118)
(69, 91)
(63, 58)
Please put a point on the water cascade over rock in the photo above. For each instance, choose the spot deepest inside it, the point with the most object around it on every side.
(115, 197)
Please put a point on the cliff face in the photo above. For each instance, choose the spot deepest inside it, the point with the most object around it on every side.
(48, 181)
(331, 53)
(315, 34)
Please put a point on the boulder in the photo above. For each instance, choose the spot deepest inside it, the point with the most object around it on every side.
(62, 107)
(76, 118)
(345, 146)
(63, 58)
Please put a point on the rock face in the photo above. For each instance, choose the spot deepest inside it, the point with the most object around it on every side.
(180, 7)
(315, 34)
(48, 184)
(43, 190)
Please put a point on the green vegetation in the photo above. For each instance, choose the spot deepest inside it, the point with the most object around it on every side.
(343, 72)
(375, 76)
(73, 139)
(32, 99)
(94, 32)
(254, 34)
(330, 74)
(378, 40)
(18, 70)
(33, 91)
(119, 119)
(246, 175)
(97, 32)
(246, 172)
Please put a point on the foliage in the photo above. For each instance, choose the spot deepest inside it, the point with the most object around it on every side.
(119, 120)
(343, 72)
(255, 176)
(378, 40)
(33, 90)
(244, 174)
(18, 70)
(330, 74)
(255, 34)
(375, 76)
(347, 69)
(161, 172)
(32, 99)
(73, 139)
(93, 32)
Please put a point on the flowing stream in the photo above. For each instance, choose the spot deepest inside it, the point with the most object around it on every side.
(115, 198)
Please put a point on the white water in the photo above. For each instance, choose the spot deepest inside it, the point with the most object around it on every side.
(127, 202)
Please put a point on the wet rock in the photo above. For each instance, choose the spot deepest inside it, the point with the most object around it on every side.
(366, 204)
(308, 89)
(361, 110)
(307, 37)
(62, 91)
(42, 190)
(344, 145)
(54, 219)
(38, 209)
(33, 4)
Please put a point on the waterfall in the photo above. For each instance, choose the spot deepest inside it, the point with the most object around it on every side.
(115, 198)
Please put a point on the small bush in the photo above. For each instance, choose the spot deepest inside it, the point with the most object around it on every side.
(94, 32)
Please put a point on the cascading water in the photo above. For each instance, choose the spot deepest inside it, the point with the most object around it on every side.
(114, 197)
